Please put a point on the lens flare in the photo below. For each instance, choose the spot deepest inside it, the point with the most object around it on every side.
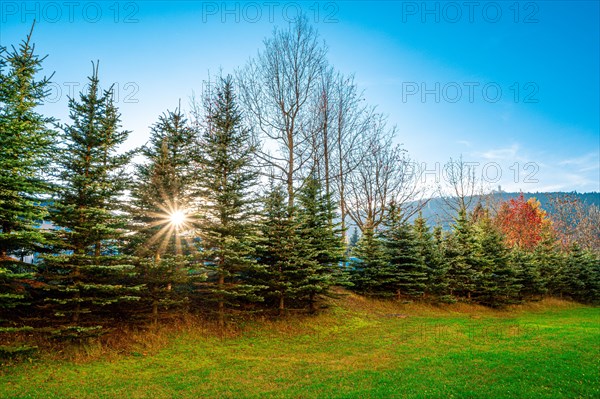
(177, 218)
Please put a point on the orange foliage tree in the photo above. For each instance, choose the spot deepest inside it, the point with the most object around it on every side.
(523, 222)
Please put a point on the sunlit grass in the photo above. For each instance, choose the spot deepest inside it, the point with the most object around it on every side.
(358, 348)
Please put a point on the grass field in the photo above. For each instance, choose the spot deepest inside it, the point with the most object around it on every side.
(358, 348)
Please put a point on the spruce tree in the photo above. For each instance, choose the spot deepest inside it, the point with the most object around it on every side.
(321, 248)
(460, 257)
(430, 253)
(26, 152)
(90, 274)
(161, 199)
(546, 260)
(438, 283)
(227, 217)
(26, 149)
(530, 279)
(424, 239)
(407, 267)
(276, 251)
(591, 276)
(353, 241)
(495, 277)
(579, 278)
(370, 273)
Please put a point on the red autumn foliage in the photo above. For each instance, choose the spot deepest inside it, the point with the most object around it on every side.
(522, 222)
(33, 283)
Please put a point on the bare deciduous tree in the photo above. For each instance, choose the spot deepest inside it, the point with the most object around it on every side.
(322, 127)
(340, 130)
(276, 88)
(311, 120)
(352, 120)
(385, 174)
(462, 186)
(574, 220)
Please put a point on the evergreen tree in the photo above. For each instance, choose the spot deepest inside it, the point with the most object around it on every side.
(164, 281)
(227, 218)
(430, 250)
(160, 203)
(460, 257)
(591, 276)
(494, 276)
(370, 272)
(163, 186)
(276, 250)
(438, 283)
(532, 284)
(546, 260)
(579, 278)
(353, 241)
(90, 274)
(300, 254)
(424, 239)
(26, 152)
(321, 247)
(407, 267)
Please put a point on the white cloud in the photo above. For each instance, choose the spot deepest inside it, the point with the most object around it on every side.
(501, 154)
(589, 161)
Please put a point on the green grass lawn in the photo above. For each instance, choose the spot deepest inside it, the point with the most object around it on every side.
(358, 348)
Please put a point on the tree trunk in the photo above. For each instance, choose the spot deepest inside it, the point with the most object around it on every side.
(290, 174)
(155, 311)
(326, 151)
(313, 303)
(155, 295)
(221, 305)
(77, 311)
(3, 250)
(343, 215)
(342, 186)
(281, 305)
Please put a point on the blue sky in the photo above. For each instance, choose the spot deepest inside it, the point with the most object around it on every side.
(511, 85)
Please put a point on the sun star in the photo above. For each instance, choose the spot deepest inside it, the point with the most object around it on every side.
(177, 218)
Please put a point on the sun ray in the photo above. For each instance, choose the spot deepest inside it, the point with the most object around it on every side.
(160, 235)
(172, 226)
(177, 218)
(165, 242)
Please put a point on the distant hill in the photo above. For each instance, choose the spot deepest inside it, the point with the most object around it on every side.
(437, 212)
